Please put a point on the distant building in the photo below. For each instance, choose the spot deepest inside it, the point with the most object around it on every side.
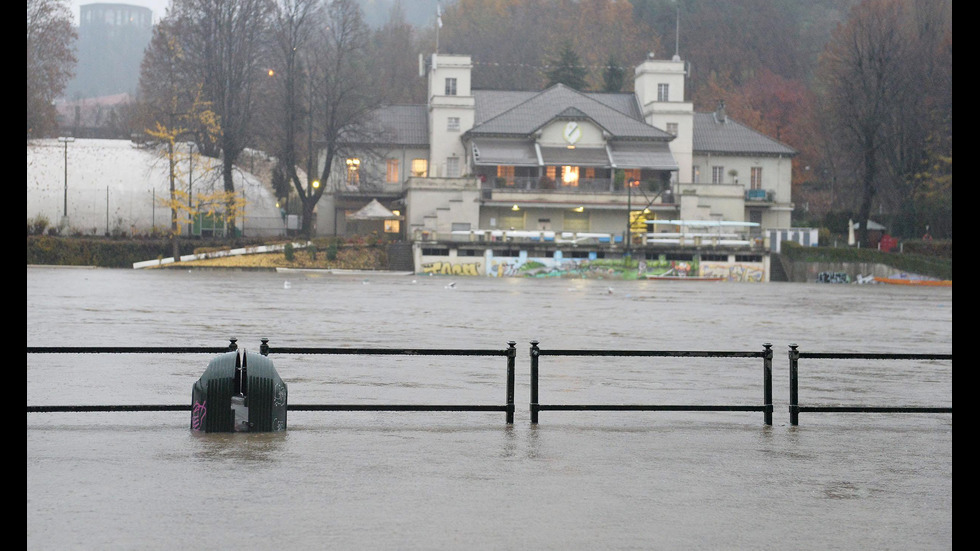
(561, 160)
(111, 41)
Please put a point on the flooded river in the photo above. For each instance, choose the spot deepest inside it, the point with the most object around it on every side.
(424, 480)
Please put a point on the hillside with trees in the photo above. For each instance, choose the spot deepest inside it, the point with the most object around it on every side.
(862, 89)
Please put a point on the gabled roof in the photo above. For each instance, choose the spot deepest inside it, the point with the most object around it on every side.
(405, 125)
(722, 135)
(528, 112)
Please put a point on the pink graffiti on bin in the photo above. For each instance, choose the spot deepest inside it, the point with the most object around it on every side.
(197, 415)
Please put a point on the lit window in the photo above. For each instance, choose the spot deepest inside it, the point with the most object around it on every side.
(696, 174)
(633, 177)
(391, 172)
(353, 171)
(420, 167)
(453, 124)
(663, 92)
(756, 182)
(507, 174)
(393, 226)
(717, 175)
(569, 176)
(450, 86)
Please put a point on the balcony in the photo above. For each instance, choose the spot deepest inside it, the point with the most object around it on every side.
(759, 195)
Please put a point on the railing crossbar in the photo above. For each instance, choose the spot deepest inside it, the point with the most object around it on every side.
(875, 409)
(653, 353)
(649, 407)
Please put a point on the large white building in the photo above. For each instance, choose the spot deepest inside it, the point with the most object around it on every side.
(560, 160)
(560, 163)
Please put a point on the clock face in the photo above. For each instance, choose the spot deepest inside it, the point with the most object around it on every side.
(572, 132)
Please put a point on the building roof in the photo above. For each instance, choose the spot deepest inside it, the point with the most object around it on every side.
(523, 113)
(716, 133)
(405, 125)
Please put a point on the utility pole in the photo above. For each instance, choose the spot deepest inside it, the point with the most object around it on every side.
(66, 141)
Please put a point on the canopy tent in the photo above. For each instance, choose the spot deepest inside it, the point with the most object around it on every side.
(374, 211)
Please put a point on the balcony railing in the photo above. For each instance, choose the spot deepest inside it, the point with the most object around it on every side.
(761, 195)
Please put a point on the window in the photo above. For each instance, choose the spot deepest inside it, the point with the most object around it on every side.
(353, 171)
(717, 175)
(393, 226)
(452, 167)
(663, 92)
(569, 176)
(672, 128)
(391, 171)
(756, 180)
(450, 87)
(420, 167)
(506, 174)
(632, 177)
(696, 174)
(453, 124)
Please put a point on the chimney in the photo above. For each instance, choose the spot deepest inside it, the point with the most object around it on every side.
(720, 112)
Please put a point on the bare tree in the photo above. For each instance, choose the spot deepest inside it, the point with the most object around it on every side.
(222, 42)
(295, 25)
(50, 60)
(863, 72)
(341, 99)
(886, 79)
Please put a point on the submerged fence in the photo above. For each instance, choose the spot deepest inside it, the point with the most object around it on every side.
(794, 384)
(508, 407)
(765, 407)
(536, 352)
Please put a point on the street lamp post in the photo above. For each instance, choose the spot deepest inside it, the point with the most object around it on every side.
(66, 141)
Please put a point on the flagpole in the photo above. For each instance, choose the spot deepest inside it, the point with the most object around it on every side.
(438, 24)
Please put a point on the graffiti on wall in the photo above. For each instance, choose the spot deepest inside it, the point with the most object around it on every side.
(734, 272)
(561, 267)
(833, 277)
(443, 267)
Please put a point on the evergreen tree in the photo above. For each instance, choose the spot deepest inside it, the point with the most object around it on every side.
(567, 69)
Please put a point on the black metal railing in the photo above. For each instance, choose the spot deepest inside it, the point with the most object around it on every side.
(508, 407)
(765, 354)
(794, 383)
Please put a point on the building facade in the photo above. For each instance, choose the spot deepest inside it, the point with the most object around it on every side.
(560, 162)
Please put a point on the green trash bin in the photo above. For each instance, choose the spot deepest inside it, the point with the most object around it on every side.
(239, 393)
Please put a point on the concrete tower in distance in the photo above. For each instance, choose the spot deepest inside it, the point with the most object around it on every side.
(111, 41)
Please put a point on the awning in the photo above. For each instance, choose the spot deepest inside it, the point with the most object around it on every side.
(374, 211)
(579, 156)
(504, 152)
(651, 155)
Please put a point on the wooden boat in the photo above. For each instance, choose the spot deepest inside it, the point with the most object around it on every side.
(916, 282)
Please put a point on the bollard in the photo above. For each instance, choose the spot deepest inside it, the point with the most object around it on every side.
(794, 385)
(534, 382)
(767, 382)
(511, 357)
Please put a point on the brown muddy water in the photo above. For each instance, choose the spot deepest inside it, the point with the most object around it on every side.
(422, 480)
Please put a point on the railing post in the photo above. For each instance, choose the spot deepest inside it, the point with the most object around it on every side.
(794, 385)
(264, 347)
(233, 345)
(534, 382)
(511, 356)
(767, 382)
